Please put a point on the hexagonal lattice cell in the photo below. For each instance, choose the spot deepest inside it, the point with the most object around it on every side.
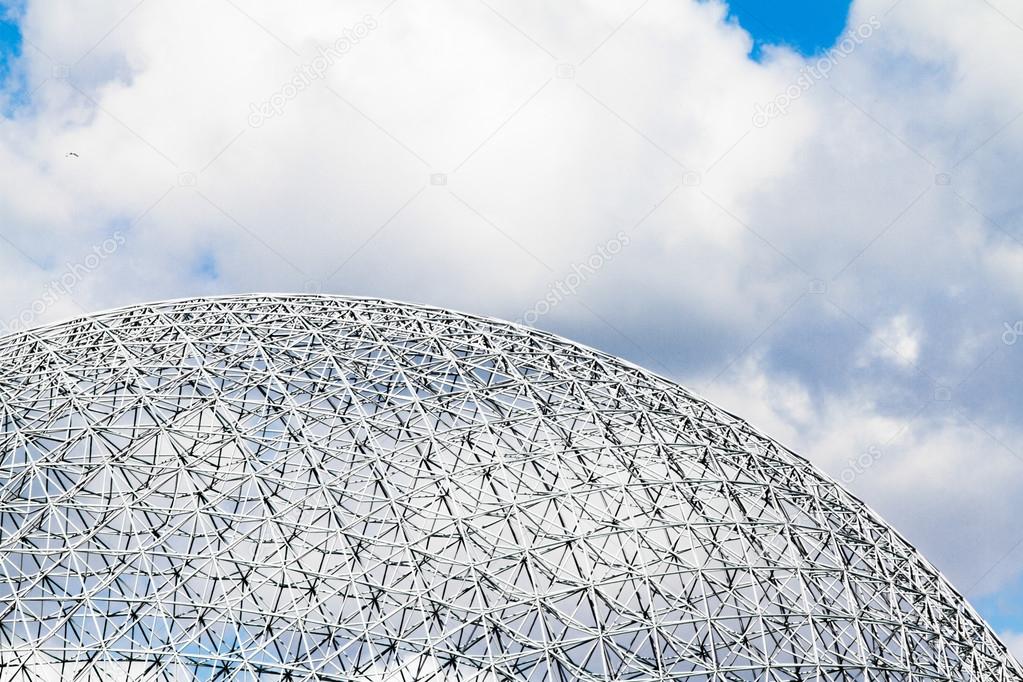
(325, 488)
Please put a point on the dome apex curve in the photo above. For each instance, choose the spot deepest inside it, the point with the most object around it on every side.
(311, 487)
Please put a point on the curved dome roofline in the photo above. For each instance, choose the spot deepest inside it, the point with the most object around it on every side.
(353, 298)
(694, 445)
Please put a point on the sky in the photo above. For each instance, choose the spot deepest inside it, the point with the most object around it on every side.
(10, 39)
(812, 218)
(809, 28)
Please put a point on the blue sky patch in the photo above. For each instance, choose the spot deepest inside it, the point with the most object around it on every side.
(10, 39)
(205, 265)
(11, 93)
(1003, 609)
(807, 27)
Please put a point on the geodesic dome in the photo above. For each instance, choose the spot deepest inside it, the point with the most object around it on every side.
(325, 488)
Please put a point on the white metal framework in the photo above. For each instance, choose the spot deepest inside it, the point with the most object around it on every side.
(324, 488)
